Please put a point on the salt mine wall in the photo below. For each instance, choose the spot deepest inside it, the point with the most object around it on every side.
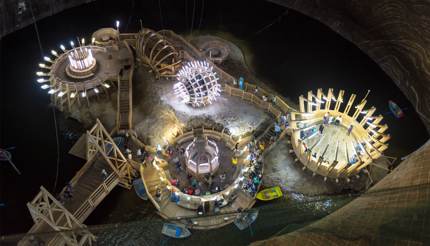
(394, 33)
(16, 14)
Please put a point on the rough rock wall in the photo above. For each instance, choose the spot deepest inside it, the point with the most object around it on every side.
(396, 211)
(16, 14)
(394, 33)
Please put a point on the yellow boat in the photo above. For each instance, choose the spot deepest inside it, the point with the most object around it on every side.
(269, 194)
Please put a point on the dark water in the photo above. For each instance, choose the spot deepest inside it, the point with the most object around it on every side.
(294, 55)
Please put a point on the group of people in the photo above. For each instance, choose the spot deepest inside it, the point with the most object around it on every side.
(141, 154)
(328, 119)
(253, 176)
(192, 186)
(264, 97)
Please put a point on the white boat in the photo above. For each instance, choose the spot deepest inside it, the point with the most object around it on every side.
(175, 230)
(246, 219)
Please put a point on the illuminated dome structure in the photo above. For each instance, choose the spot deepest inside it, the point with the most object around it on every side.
(336, 140)
(81, 63)
(73, 76)
(198, 84)
(202, 156)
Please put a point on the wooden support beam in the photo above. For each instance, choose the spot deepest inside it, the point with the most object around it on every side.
(329, 98)
(350, 103)
(100, 141)
(339, 100)
(368, 114)
(310, 101)
(46, 209)
(319, 97)
(358, 109)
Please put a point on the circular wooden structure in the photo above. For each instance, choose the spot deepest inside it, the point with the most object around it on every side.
(185, 209)
(202, 156)
(155, 51)
(333, 139)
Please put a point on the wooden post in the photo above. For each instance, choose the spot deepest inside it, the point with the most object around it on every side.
(329, 97)
(319, 97)
(302, 104)
(310, 101)
(349, 105)
(339, 100)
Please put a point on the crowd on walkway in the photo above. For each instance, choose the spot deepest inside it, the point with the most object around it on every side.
(253, 171)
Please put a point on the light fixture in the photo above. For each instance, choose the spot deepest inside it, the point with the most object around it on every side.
(198, 84)
(53, 52)
(61, 93)
(117, 24)
(106, 85)
(81, 59)
(84, 94)
(93, 40)
(83, 41)
(51, 91)
(72, 95)
(96, 90)
(42, 65)
(42, 80)
(44, 87)
(72, 44)
(40, 73)
(47, 59)
(62, 47)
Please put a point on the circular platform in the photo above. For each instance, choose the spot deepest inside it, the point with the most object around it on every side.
(215, 51)
(205, 180)
(335, 140)
(97, 74)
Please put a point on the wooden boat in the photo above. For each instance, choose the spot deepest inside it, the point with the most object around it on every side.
(139, 188)
(246, 219)
(269, 194)
(175, 230)
(395, 109)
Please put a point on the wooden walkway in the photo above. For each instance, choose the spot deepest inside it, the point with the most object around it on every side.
(105, 168)
(89, 188)
(124, 99)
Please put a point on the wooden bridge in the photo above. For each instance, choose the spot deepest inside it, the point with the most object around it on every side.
(89, 187)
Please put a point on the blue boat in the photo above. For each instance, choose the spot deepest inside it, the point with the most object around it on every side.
(139, 188)
(395, 109)
(175, 230)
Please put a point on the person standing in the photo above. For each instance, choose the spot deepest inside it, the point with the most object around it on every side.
(350, 129)
(321, 128)
(104, 174)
